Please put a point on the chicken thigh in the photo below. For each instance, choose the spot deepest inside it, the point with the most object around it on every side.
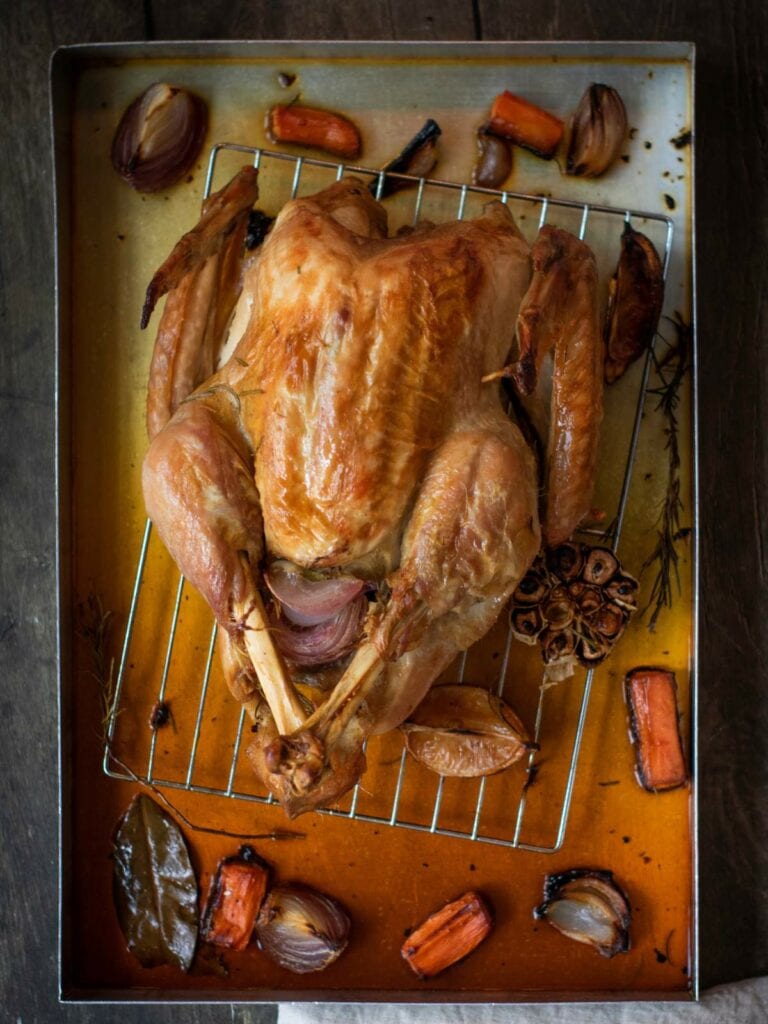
(349, 434)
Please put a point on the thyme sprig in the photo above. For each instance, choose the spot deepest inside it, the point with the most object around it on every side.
(93, 626)
(670, 371)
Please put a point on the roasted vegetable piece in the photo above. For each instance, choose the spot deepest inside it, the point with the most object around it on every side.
(465, 731)
(525, 124)
(494, 160)
(598, 131)
(576, 601)
(302, 929)
(159, 137)
(417, 159)
(635, 298)
(651, 695)
(588, 906)
(448, 935)
(234, 899)
(322, 129)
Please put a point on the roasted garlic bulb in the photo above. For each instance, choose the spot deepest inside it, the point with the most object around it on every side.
(575, 600)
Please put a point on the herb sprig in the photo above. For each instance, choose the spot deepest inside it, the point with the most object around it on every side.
(670, 371)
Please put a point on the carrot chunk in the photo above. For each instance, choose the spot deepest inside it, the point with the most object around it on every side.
(307, 126)
(448, 935)
(651, 695)
(236, 894)
(525, 124)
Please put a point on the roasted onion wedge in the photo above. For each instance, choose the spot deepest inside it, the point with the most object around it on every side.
(651, 695)
(464, 732)
(418, 159)
(587, 906)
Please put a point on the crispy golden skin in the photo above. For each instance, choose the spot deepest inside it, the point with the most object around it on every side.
(349, 428)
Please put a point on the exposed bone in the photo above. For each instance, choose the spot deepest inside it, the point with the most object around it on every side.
(302, 756)
(277, 688)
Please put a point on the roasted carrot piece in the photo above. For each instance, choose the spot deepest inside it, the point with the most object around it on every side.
(515, 118)
(307, 126)
(234, 899)
(651, 695)
(448, 935)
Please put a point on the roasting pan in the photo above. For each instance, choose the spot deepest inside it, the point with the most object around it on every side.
(109, 239)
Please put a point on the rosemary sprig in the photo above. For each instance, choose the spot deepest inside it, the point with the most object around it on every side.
(670, 371)
(93, 626)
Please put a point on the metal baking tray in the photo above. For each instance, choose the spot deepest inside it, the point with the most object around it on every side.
(107, 243)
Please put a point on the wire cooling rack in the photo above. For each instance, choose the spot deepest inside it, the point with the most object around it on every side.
(400, 783)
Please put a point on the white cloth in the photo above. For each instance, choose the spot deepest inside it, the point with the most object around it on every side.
(744, 1002)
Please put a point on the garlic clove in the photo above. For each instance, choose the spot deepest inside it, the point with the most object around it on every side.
(159, 137)
(598, 131)
(302, 929)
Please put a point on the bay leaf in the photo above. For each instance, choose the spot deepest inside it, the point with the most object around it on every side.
(154, 886)
(465, 731)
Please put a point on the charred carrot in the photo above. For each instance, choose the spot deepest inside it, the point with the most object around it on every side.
(234, 900)
(307, 126)
(515, 118)
(653, 722)
(448, 935)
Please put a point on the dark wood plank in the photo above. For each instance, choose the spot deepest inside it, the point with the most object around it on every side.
(732, 135)
(297, 19)
(731, 138)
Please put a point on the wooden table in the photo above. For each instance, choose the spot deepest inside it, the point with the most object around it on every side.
(732, 212)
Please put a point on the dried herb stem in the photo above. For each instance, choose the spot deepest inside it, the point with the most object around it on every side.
(670, 371)
(94, 625)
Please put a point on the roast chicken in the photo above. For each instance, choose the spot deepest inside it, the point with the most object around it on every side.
(323, 412)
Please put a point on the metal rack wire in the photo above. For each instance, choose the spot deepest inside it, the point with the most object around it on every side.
(472, 827)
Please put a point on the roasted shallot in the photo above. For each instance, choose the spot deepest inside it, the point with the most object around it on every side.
(159, 137)
(237, 891)
(494, 160)
(525, 124)
(319, 129)
(635, 298)
(587, 906)
(598, 131)
(302, 929)
(448, 935)
(651, 695)
(465, 731)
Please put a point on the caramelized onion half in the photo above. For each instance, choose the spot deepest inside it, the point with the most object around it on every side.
(302, 929)
(159, 137)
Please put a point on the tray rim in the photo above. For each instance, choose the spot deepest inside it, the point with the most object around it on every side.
(64, 64)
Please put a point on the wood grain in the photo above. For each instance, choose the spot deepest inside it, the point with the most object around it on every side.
(732, 211)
